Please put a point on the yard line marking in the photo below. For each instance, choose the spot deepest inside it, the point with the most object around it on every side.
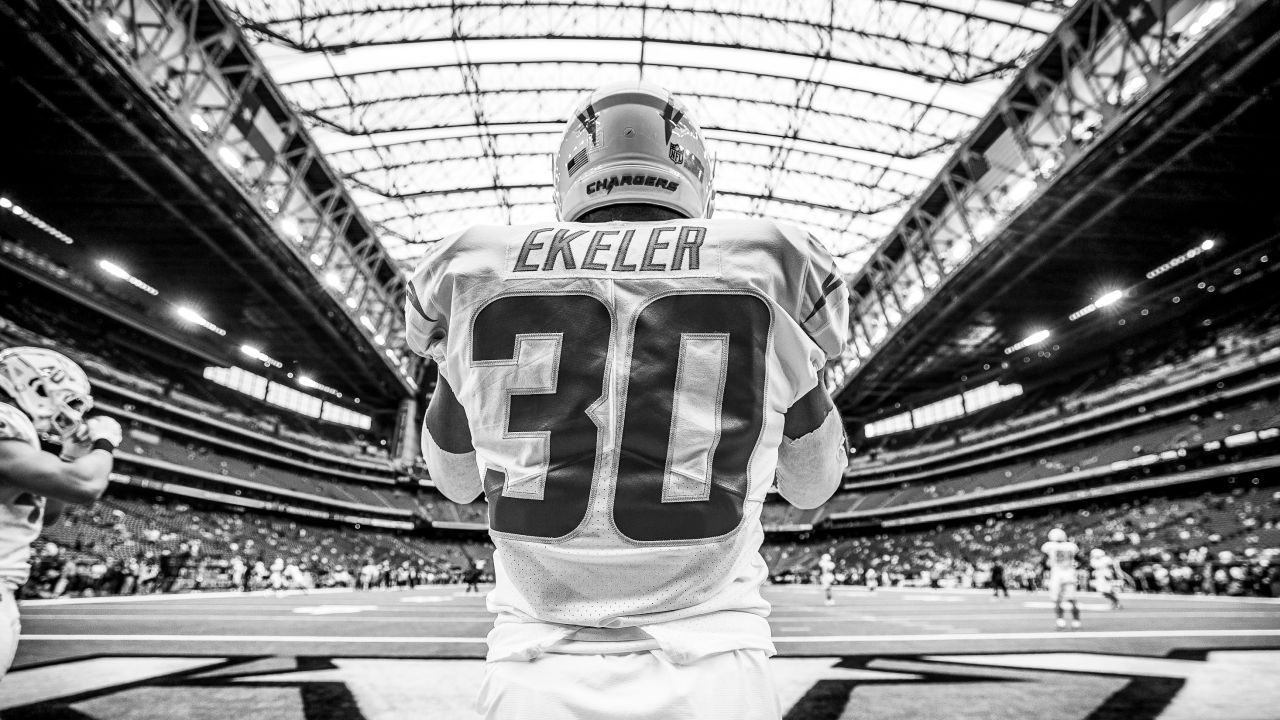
(283, 617)
(157, 597)
(1095, 635)
(330, 639)
(1083, 634)
(1016, 615)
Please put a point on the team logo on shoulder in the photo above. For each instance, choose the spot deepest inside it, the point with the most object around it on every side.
(676, 153)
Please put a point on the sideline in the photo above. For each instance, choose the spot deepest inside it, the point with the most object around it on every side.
(339, 640)
(156, 597)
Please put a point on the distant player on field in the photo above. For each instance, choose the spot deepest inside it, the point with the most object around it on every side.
(624, 387)
(827, 576)
(49, 456)
(1060, 558)
(1106, 576)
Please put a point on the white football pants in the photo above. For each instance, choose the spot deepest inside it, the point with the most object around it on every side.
(634, 686)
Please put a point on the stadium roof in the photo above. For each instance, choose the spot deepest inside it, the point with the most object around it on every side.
(830, 115)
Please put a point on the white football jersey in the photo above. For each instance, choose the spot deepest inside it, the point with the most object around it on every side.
(21, 512)
(1061, 555)
(625, 386)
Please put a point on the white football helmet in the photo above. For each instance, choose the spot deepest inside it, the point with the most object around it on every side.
(51, 389)
(632, 143)
(1057, 535)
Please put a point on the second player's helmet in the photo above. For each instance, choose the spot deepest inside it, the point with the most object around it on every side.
(632, 143)
(1057, 535)
(51, 389)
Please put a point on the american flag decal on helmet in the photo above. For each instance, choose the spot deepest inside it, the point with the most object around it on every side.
(577, 161)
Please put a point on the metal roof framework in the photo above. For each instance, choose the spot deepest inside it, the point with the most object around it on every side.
(832, 116)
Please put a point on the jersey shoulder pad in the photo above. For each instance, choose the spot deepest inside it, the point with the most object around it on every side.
(15, 425)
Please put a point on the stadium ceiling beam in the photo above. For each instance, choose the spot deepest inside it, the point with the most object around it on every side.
(489, 126)
(957, 56)
(478, 156)
(393, 197)
(705, 68)
(923, 4)
(547, 186)
(994, 66)
(741, 137)
(356, 106)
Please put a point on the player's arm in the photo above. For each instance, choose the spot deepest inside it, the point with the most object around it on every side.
(80, 481)
(446, 435)
(813, 452)
(447, 446)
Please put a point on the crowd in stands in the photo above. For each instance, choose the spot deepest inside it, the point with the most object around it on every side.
(1214, 543)
(1129, 373)
(1184, 434)
(113, 363)
(127, 545)
(143, 442)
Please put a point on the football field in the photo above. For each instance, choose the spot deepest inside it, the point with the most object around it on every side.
(900, 653)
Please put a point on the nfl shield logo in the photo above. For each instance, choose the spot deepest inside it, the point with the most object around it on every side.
(676, 153)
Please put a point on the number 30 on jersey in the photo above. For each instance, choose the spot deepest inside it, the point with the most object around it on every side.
(693, 411)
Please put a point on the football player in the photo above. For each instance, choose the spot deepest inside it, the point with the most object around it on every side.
(1060, 558)
(624, 386)
(827, 576)
(43, 400)
(1106, 576)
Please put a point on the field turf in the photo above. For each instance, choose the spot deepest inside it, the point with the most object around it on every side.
(889, 654)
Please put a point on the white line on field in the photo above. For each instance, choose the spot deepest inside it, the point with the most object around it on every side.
(420, 640)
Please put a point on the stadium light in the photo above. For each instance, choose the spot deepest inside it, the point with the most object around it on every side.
(332, 280)
(17, 210)
(194, 317)
(1034, 338)
(1205, 246)
(1109, 298)
(115, 270)
(1106, 299)
(260, 356)
(307, 382)
(198, 121)
(116, 28)
(289, 226)
(231, 158)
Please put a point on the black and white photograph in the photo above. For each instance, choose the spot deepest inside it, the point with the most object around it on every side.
(640, 359)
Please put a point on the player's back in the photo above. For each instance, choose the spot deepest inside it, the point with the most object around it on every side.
(1060, 556)
(625, 386)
